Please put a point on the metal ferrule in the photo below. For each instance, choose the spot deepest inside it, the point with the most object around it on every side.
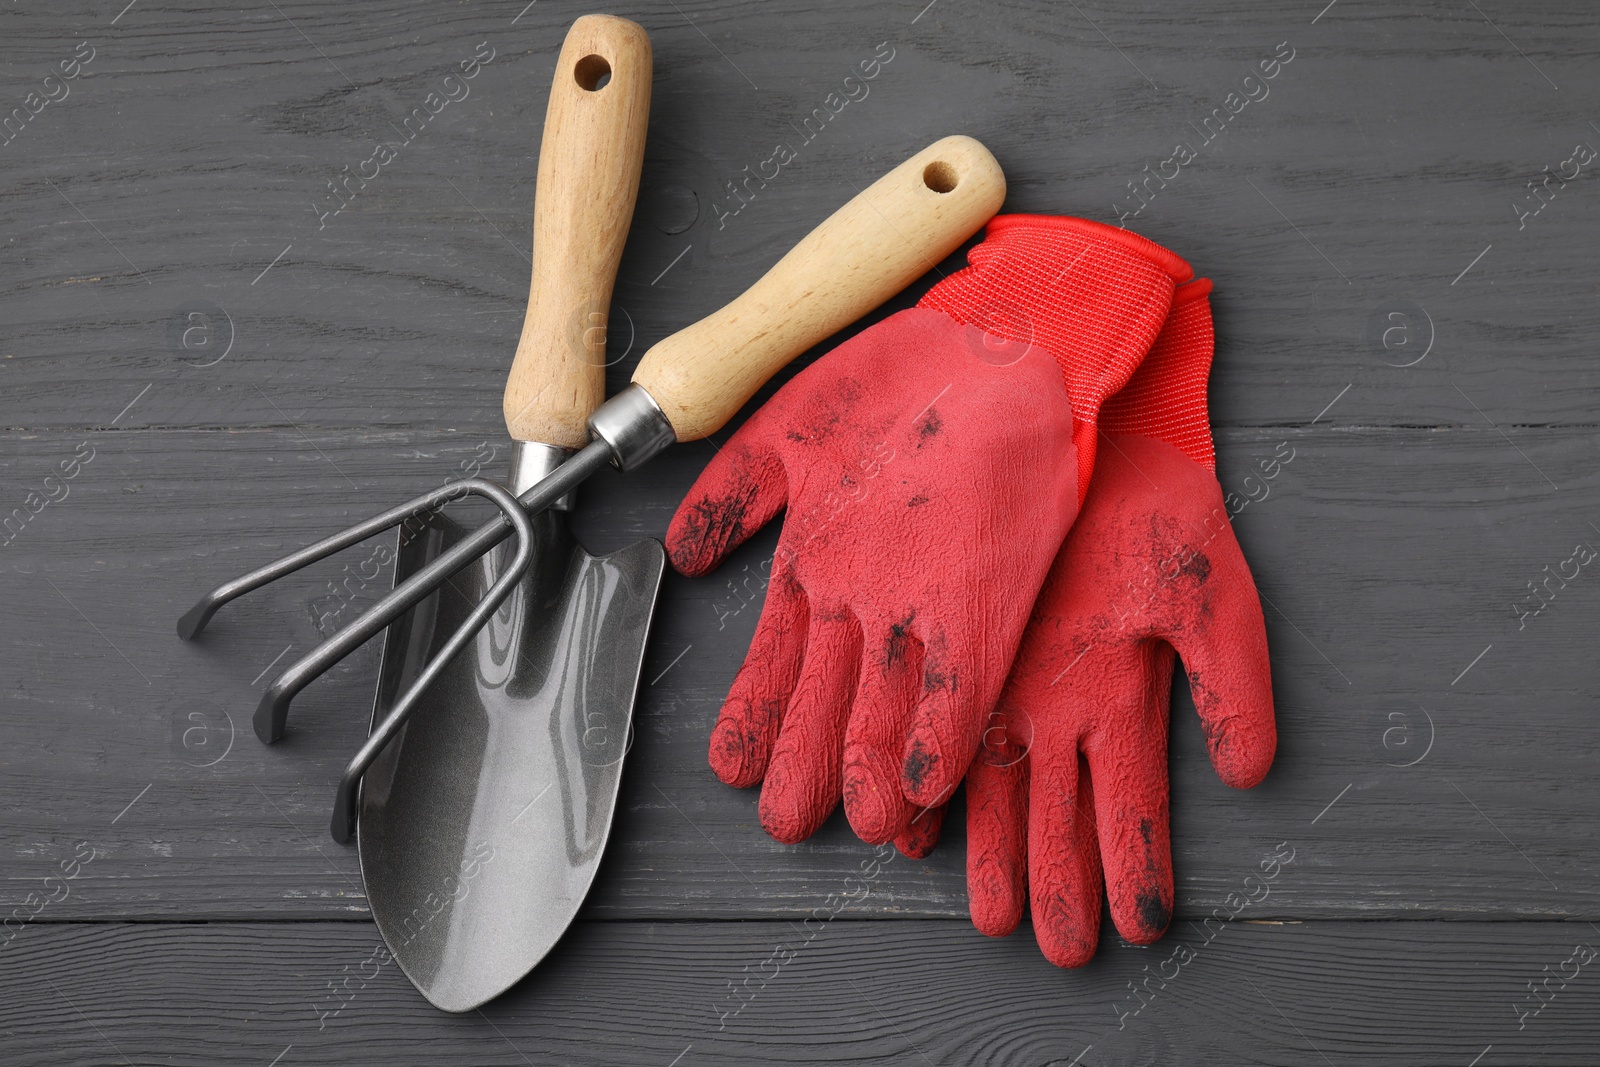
(530, 462)
(633, 426)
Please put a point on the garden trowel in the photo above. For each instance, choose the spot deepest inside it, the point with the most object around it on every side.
(482, 822)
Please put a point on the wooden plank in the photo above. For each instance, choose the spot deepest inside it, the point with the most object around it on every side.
(1401, 993)
(1390, 558)
(250, 372)
(186, 174)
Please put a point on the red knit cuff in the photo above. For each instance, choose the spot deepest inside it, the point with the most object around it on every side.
(1166, 397)
(1093, 295)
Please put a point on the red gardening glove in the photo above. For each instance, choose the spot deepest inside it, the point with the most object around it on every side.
(930, 466)
(1151, 566)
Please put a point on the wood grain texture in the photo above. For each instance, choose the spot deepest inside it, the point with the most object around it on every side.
(234, 357)
(1393, 994)
(199, 140)
(1390, 559)
(589, 161)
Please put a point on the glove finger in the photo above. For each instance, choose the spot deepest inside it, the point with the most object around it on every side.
(803, 779)
(1131, 811)
(1063, 863)
(948, 723)
(747, 728)
(916, 841)
(886, 692)
(739, 492)
(997, 837)
(1223, 643)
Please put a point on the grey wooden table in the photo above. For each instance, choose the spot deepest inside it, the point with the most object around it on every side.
(203, 364)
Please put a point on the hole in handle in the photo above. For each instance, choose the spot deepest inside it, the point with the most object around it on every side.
(592, 73)
(940, 176)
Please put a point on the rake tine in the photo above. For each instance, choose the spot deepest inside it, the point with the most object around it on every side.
(195, 619)
(272, 713)
(539, 498)
(343, 824)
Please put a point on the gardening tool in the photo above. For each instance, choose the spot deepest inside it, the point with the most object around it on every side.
(483, 817)
(483, 822)
(685, 388)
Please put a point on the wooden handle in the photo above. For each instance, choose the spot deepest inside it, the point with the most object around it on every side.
(589, 164)
(864, 253)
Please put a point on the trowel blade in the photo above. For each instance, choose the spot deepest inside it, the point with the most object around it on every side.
(481, 826)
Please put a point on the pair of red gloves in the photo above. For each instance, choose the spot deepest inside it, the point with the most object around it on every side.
(953, 598)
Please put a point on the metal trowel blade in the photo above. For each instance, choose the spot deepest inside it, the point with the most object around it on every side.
(482, 824)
